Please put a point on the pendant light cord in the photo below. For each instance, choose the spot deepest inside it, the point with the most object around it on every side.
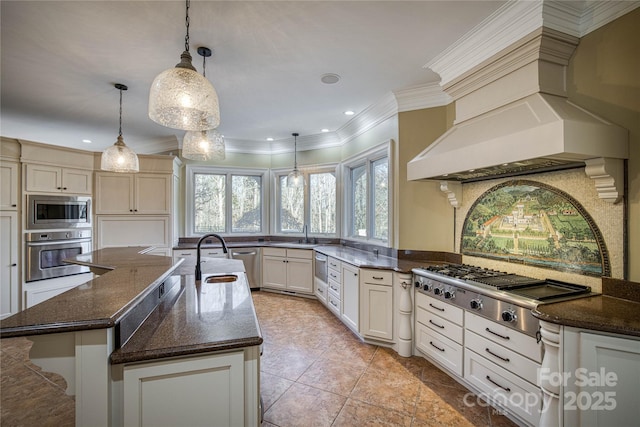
(186, 38)
(295, 151)
(120, 129)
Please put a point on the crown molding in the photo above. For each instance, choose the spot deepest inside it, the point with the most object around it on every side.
(514, 21)
(369, 118)
(161, 146)
(424, 96)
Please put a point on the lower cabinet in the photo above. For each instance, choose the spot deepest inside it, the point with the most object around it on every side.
(376, 299)
(350, 297)
(9, 256)
(42, 290)
(287, 269)
(204, 391)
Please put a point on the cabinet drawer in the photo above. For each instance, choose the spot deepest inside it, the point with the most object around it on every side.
(300, 253)
(184, 253)
(333, 303)
(334, 264)
(519, 342)
(439, 324)
(321, 291)
(335, 275)
(443, 309)
(442, 349)
(335, 288)
(378, 277)
(522, 398)
(274, 251)
(508, 359)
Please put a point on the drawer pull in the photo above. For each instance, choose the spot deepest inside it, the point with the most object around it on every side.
(334, 288)
(438, 308)
(507, 389)
(377, 278)
(333, 275)
(333, 304)
(504, 337)
(435, 346)
(187, 254)
(504, 359)
(435, 324)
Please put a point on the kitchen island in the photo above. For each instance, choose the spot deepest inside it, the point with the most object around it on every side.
(143, 334)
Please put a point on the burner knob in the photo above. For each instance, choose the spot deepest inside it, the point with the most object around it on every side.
(476, 304)
(449, 294)
(438, 291)
(418, 283)
(509, 316)
(428, 286)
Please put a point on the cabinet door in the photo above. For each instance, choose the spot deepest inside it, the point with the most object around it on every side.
(131, 230)
(196, 391)
(114, 193)
(9, 186)
(605, 378)
(43, 178)
(300, 275)
(153, 194)
(77, 181)
(274, 272)
(350, 297)
(9, 264)
(377, 311)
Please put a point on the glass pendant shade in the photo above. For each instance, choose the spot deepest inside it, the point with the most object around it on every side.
(203, 145)
(119, 158)
(180, 98)
(295, 179)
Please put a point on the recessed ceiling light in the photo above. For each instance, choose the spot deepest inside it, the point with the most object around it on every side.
(269, 139)
(330, 78)
(349, 113)
(87, 141)
(324, 130)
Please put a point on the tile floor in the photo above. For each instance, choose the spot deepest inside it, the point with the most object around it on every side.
(315, 372)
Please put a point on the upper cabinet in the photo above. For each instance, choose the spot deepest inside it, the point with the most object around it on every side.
(53, 179)
(124, 194)
(10, 186)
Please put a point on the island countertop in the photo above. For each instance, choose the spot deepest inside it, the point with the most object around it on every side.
(100, 302)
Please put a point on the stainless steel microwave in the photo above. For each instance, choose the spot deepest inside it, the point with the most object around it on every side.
(53, 212)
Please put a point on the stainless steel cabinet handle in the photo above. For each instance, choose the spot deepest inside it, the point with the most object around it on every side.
(245, 253)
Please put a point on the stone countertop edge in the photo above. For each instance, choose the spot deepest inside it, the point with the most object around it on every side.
(602, 313)
(364, 259)
(54, 316)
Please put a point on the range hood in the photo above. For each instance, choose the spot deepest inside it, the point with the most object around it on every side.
(499, 132)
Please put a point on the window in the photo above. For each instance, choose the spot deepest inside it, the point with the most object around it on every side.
(315, 205)
(224, 201)
(367, 184)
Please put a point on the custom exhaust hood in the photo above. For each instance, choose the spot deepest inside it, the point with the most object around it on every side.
(513, 118)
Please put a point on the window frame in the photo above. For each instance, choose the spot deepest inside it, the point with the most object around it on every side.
(276, 174)
(367, 159)
(192, 170)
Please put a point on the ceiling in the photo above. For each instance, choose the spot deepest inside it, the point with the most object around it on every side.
(60, 60)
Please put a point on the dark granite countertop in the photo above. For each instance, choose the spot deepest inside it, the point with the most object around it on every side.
(365, 259)
(99, 303)
(599, 313)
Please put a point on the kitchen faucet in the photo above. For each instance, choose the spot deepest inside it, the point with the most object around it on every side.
(224, 249)
(305, 229)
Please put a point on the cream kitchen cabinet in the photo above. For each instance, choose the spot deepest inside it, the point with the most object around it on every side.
(141, 194)
(114, 231)
(350, 314)
(376, 299)
(9, 255)
(10, 186)
(53, 179)
(334, 285)
(287, 269)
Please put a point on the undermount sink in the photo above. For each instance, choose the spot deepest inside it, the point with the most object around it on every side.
(224, 278)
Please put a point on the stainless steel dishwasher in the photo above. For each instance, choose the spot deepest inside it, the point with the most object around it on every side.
(252, 259)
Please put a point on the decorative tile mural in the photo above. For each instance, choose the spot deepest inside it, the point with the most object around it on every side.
(531, 223)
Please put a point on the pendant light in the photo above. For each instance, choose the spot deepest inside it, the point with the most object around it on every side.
(207, 144)
(180, 98)
(295, 177)
(119, 157)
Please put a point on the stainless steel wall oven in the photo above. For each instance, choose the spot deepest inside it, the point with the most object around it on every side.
(47, 250)
(52, 212)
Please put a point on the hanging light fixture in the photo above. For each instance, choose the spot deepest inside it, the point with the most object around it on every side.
(207, 144)
(180, 98)
(119, 157)
(295, 177)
